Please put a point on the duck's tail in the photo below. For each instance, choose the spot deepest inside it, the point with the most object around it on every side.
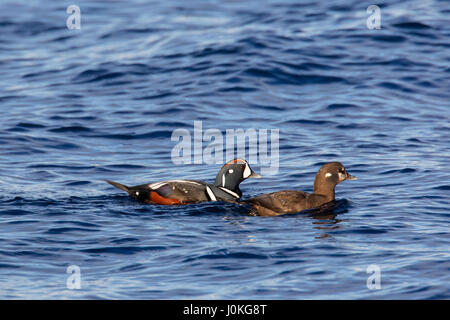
(120, 186)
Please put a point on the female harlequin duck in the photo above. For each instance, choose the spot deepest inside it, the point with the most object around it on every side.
(290, 201)
(178, 192)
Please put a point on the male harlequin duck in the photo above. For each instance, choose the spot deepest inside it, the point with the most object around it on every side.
(178, 192)
(290, 201)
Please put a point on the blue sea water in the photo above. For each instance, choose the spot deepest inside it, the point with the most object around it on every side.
(101, 102)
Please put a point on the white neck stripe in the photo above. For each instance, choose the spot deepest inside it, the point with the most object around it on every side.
(234, 194)
(211, 194)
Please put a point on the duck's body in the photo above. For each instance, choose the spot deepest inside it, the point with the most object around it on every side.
(179, 192)
(292, 201)
(285, 201)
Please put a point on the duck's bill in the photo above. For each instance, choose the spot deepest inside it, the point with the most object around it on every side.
(350, 177)
(254, 175)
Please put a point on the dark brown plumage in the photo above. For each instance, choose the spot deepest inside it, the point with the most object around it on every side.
(291, 201)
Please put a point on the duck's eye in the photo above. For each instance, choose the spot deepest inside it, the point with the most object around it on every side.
(230, 171)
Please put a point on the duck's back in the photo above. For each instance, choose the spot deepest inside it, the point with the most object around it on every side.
(280, 202)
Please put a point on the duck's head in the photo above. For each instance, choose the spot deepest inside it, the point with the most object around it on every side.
(329, 176)
(233, 173)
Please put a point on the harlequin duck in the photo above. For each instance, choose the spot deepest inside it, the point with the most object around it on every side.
(290, 201)
(179, 192)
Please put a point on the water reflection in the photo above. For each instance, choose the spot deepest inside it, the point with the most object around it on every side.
(325, 217)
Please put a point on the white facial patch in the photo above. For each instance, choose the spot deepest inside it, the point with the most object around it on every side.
(223, 180)
(137, 193)
(247, 171)
(230, 171)
(327, 175)
(341, 176)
